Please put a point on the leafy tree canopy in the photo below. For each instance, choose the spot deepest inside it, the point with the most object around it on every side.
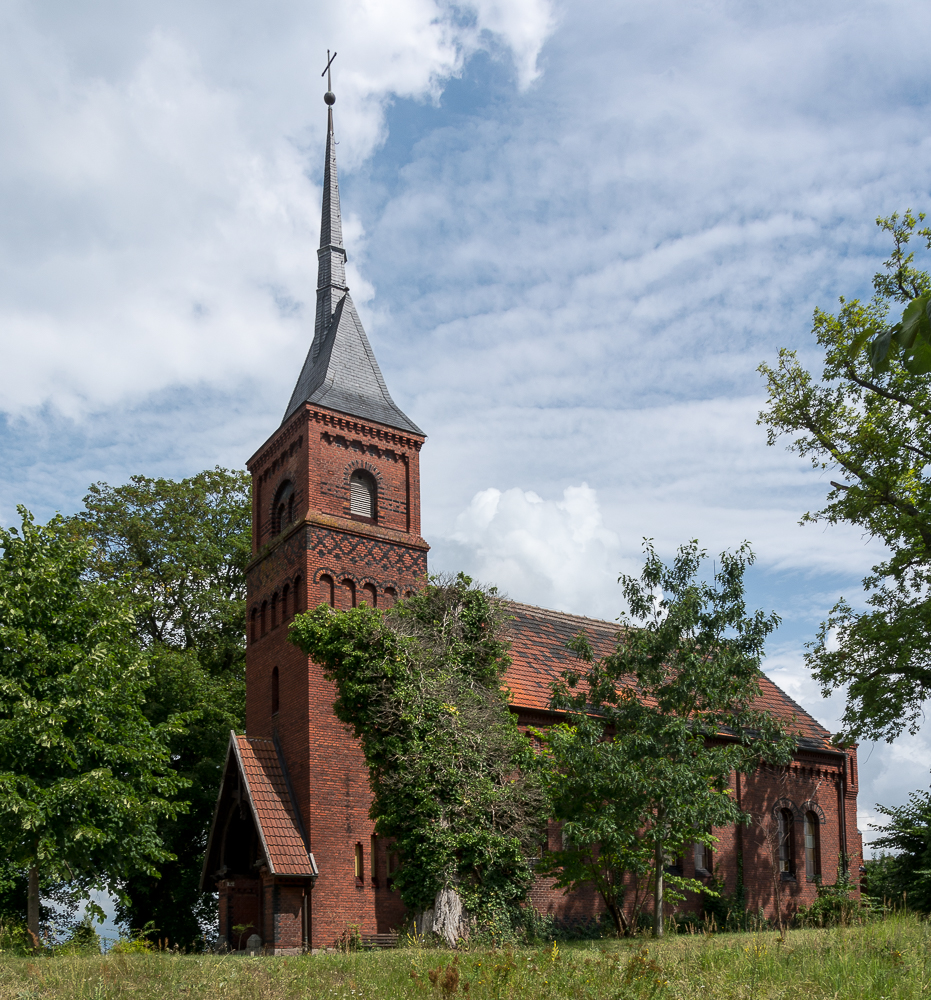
(84, 776)
(177, 552)
(660, 724)
(453, 779)
(867, 416)
(907, 872)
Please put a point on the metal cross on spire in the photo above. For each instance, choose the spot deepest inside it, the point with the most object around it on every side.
(329, 96)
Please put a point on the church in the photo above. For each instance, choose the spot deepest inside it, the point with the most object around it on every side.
(292, 852)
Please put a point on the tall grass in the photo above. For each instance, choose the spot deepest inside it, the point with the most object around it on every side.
(887, 959)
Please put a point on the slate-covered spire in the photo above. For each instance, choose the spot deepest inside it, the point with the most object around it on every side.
(340, 371)
(331, 257)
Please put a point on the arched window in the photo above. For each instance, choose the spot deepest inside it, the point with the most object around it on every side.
(326, 590)
(347, 594)
(253, 625)
(812, 846)
(283, 507)
(369, 595)
(264, 617)
(298, 596)
(274, 609)
(786, 842)
(389, 597)
(274, 691)
(362, 495)
(285, 597)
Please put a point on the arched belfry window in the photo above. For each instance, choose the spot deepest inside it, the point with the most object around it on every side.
(362, 495)
(283, 507)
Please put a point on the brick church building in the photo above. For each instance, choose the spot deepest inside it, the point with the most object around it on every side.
(336, 520)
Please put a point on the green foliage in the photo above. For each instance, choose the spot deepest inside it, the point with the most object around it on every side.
(868, 415)
(84, 939)
(453, 779)
(84, 776)
(177, 553)
(657, 728)
(905, 876)
(836, 905)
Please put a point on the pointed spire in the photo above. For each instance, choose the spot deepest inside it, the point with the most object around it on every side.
(340, 371)
(331, 257)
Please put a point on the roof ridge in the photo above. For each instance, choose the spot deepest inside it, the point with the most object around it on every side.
(551, 612)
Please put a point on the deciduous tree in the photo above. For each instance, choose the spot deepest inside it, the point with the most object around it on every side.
(867, 418)
(84, 776)
(674, 709)
(177, 551)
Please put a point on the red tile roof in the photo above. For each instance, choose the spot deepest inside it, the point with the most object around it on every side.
(539, 655)
(275, 817)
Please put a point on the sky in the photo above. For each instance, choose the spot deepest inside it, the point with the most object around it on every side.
(574, 232)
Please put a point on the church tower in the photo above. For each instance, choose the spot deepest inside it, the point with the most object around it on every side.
(335, 520)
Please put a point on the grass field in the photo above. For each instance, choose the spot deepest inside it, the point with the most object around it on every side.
(885, 960)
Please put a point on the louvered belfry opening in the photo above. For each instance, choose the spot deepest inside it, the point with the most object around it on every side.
(362, 495)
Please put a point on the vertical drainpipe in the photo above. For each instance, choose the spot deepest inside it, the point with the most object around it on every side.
(740, 836)
(843, 811)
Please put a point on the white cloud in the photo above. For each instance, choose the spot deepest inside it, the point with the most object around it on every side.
(159, 227)
(553, 553)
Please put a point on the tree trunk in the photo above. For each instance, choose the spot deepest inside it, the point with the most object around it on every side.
(32, 907)
(621, 925)
(449, 916)
(659, 861)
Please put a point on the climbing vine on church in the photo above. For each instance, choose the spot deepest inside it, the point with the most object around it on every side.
(455, 783)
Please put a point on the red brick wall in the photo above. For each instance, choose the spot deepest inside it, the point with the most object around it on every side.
(316, 452)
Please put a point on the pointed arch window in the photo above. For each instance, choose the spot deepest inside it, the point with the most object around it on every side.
(812, 846)
(283, 507)
(363, 495)
(786, 835)
(285, 598)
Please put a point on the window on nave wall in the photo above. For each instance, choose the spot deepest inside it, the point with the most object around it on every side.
(812, 846)
(786, 838)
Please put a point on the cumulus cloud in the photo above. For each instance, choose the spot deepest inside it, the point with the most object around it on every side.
(553, 553)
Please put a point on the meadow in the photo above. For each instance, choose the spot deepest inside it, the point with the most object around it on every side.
(887, 959)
